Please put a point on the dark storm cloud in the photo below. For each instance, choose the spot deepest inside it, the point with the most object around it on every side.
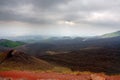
(52, 11)
(10, 10)
(47, 4)
(5, 16)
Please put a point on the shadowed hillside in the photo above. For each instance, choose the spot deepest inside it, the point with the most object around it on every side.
(88, 59)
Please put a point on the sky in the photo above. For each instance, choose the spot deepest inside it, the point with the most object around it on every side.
(59, 17)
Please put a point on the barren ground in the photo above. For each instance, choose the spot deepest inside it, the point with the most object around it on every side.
(27, 75)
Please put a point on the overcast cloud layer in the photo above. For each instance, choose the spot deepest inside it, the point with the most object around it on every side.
(59, 17)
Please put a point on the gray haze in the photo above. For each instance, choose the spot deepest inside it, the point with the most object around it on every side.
(59, 17)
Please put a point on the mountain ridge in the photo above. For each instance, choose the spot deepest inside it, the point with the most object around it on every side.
(113, 34)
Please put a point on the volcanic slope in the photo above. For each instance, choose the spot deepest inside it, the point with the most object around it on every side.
(13, 59)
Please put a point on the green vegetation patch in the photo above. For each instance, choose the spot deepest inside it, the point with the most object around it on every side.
(10, 44)
(114, 34)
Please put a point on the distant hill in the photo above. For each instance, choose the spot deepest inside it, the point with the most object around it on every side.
(37, 49)
(9, 43)
(13, 59)
(114, 34)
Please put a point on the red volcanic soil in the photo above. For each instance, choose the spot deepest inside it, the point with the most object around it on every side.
(26, 75)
